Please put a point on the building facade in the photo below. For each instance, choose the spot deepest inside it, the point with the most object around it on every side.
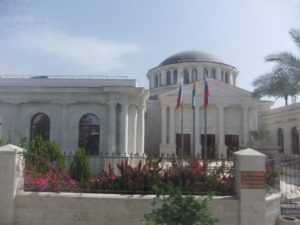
(101, 115)
(232, 113)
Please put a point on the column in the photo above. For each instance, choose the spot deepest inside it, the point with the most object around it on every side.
(172, 126)
(163, 78)
(140, 129)
(179, 74)
(221, 143)
(15, 122)
(124, 129)
(163, 124)
(245, 125)
(64, 126)
(197, 132)
(112, 128)
(287, 144)
(132, 130)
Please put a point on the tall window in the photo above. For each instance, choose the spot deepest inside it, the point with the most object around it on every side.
(280, 139)
(40, 126)
(89, 134)
(186, 78)
(213, 73)
(168, 78)
(118, 127)
(156, 80)
(226, 78)
(205, 72)
(160, 79)
(222, 75)
(194, 75)
(295, 140)
(175, 76)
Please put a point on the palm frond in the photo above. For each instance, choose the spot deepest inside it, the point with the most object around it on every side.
(295, 34)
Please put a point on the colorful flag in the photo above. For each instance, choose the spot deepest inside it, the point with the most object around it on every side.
(180, 95)
(194, 95)
(206, 93)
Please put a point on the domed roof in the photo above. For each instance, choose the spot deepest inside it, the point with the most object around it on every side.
(190, 56)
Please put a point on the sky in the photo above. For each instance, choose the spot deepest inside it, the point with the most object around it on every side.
(127, 38)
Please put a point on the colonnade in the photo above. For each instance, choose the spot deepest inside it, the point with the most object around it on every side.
(136, 135)
(169, 147)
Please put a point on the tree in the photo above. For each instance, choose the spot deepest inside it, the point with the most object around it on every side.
(284, 79)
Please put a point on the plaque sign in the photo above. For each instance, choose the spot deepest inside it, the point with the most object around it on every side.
(253, 180)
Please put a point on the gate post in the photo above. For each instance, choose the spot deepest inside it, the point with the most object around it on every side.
(10, 181)
(250, 186)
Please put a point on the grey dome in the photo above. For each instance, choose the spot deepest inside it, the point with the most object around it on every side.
(190, 56)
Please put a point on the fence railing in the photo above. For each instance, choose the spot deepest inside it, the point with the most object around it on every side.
(290, 184)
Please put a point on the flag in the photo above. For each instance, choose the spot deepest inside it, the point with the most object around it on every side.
(206, 93)
(180, 95)
(194, 95)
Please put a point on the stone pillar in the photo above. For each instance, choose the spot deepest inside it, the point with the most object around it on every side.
(111, 128)
(124, 129)
(245, 125)
(140, 129)
(64, 128)
(163, 124)
(172, 126)
(250, 186)
(163, 78)
(287, 139)
(221, 142)
(197, 132)
(11, 180)
(179, 74)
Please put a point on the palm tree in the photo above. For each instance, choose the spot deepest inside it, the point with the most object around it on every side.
(284, 79)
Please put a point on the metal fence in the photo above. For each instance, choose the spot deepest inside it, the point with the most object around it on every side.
(290, 184)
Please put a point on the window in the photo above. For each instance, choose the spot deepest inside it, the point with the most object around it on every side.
(226, 78)
(160, 79)
(175, 76)
(194, 75)
(213, 73)
(295, 141)
(186, 79)
(89, 134)
(280, 139)
(40, 126)
(222, 75)
(156, 81)
(205, 72)
(168, 78)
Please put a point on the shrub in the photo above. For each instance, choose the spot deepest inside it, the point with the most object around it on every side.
(178, 209)
(80, 169)
(55, 180)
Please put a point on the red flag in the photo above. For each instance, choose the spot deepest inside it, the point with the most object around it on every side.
(206, 93)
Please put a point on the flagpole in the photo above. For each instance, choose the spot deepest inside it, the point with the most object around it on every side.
(181, 153)
(194, 132)
(205, 118)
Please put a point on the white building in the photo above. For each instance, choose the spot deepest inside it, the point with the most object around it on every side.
(101, 115)
(232, 113)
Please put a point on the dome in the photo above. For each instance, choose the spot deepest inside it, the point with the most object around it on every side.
(190, 56)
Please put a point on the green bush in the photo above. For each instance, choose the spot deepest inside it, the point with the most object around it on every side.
(80, 169)
(178, 209)
(40, 155)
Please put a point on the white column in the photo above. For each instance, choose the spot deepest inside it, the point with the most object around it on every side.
(287, 143)
(179, 74)
(221, 142)
(245, 125)
(163, 78)
(112, 128)
(163, 124)
(140, 129)
(197, 132)
(124, 129)
(64, 128)
(172, 125)
(132, 128)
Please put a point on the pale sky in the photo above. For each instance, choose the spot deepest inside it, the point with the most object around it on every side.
(127, 38)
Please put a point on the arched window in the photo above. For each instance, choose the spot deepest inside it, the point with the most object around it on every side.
(186, 78)
(40, 126)
(295, 140)
(156, 80)
(226, 78)
(280, 139)
(89, 134)
(194, 75)
(175, 76)
(168, 78)
(213, 73)
(205, 72)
